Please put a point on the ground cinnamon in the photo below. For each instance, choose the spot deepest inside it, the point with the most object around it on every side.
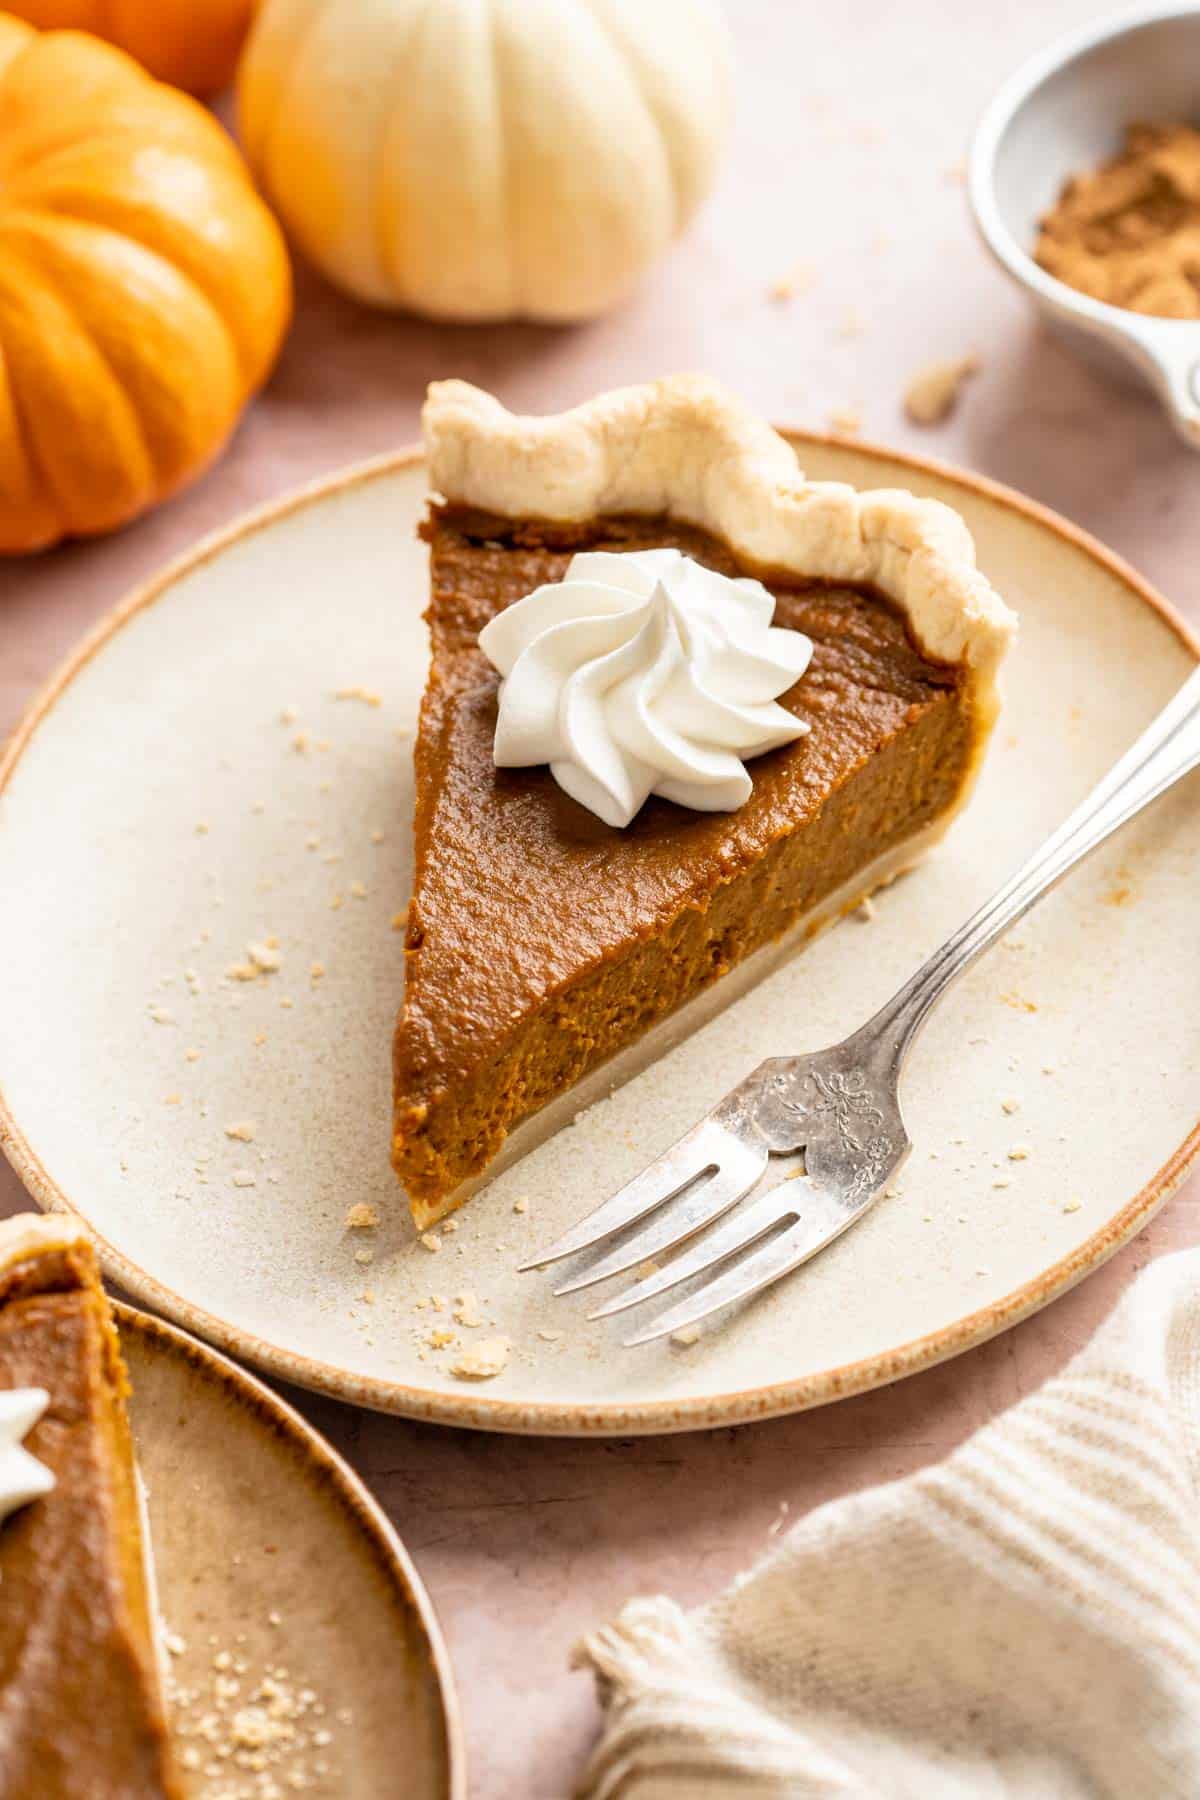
(1129, 232)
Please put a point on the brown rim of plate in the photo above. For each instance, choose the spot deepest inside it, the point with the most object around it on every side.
(533, 1418)
(353, 1498)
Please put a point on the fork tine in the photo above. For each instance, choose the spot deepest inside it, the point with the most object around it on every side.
(738, 1233)
(671, 1223)
(816, 1227)
(698, 1150)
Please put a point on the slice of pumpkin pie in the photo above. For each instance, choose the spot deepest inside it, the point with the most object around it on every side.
(682, 702)
(81, 1705)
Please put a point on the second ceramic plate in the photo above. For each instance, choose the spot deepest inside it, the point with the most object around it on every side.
(300, 1642)
(204, 841)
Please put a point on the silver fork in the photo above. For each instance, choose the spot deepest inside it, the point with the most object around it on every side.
(839, 1106)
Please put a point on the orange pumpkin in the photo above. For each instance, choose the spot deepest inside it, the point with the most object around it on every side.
(144, 287)
(193, 44)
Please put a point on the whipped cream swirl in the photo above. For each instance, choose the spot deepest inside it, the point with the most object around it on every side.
(644, 673)
(22, 1477)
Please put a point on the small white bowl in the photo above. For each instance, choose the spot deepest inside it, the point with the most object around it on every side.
(1063, 111)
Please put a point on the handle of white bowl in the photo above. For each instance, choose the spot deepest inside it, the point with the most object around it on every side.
(1175, 370)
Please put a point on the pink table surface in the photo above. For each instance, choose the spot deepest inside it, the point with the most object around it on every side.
(847, 156)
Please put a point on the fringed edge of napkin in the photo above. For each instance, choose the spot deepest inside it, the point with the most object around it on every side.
(668, 1725)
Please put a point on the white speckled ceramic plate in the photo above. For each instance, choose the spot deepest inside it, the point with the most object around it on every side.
(191, 785)
(271, 1556)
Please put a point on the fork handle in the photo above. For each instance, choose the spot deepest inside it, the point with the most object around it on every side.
(1164, 753)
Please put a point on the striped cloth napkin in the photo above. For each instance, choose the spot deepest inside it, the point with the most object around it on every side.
(1022, 1619)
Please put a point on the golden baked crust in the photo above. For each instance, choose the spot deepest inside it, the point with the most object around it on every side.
(686, 449)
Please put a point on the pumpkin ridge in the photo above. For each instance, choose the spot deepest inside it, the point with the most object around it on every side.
(93, 137)
(52, 480)
(659, 119)
(253, 129)
(47, 277)
(42, 496)
(284, 98)
(390, 265)
(185, 276)
(166, 479)
(122, 215)
(505, 159)
(96, 132)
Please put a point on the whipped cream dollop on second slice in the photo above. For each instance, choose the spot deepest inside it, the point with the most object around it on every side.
(22, 1476)
(644, 673)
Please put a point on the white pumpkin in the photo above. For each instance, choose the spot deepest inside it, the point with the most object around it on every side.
(485, 159)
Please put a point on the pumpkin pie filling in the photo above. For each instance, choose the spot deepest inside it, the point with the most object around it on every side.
(81, 1711)
(547, 941)
(541, 941)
